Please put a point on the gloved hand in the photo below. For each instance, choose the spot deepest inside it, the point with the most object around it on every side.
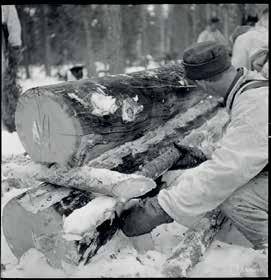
(15, 55)
(189, 157)
(143, 216)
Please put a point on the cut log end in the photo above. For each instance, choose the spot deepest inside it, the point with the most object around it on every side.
(48, 132)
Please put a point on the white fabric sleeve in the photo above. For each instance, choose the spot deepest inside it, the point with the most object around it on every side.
(242, 154)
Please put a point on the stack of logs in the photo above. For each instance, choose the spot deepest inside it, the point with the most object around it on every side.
(123, 124)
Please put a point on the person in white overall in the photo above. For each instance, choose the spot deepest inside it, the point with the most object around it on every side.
(242, 153)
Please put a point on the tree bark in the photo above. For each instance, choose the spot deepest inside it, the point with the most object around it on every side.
(64, 123)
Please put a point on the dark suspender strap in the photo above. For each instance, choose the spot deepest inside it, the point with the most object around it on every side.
(240, 72)
(250, 85)
(256, 84)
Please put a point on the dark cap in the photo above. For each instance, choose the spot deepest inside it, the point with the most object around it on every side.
(205, 60)
(213, 20)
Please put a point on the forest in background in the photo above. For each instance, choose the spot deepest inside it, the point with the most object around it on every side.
(118, 36)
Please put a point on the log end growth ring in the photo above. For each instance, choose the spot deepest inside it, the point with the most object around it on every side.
(47, 128)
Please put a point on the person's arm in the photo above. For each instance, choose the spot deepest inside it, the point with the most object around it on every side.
(14, 26)
(240, 56)
(242, 154)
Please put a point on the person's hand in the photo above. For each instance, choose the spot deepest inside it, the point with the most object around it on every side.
(142, 216)
(189, 157)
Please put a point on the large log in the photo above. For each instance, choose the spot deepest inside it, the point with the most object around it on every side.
(203, 137)
(66, 122)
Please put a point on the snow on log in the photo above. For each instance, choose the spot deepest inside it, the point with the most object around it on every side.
(67, 122)
(87, 218)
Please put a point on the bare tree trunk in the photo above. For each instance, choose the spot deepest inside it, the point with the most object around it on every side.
(26, 28)
(161, 19)
(143, 35)
(241, 12)
(225, 14)
(85, 12)
(208, 11)
(46, 39)
(180, 29)
(114, 46)
(167, 31)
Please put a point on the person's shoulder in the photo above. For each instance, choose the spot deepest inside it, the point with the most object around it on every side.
(251, 33)
(255, 97)
(245, 37)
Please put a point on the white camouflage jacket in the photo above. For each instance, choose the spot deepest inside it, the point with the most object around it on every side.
(247, 44)
(241, 154)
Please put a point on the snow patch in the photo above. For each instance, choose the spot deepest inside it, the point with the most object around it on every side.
(11, 144)
(103, 104)
(87, 218)
(36, 268)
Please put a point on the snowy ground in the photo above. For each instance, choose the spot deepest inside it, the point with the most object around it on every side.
(118, 258)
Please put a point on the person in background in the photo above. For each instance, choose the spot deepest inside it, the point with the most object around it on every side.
(212, 33)
(75, 73)
(248, 22)
(221, 180)
(11, 56)
(250, 49)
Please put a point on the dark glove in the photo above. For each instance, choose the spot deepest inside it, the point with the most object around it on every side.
(15, 55)
(189, 157)
(143, 217)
